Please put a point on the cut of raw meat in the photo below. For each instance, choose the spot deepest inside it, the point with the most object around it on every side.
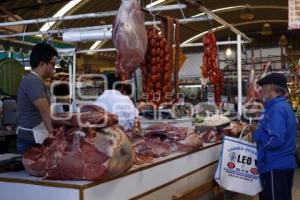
(35, 161)
(130, 38)
(191, 142)
(210, 136)
(75, 154)
(167, 131)
(153, 147)
(89, 115)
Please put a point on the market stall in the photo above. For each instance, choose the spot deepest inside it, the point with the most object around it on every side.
(170, 148)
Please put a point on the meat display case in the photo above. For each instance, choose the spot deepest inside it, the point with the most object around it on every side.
(161, 178)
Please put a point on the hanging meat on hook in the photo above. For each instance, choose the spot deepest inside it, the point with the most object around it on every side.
(254, 91)
(130, 38)
(210, 68)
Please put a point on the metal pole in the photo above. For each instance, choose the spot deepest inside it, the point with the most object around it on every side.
(56, 31)
(221, 43)
(223, 22)
(73, 85)
(86, 16)
(70, 85)
(239, 73)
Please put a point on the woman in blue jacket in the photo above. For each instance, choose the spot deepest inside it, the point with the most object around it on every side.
(275, 136)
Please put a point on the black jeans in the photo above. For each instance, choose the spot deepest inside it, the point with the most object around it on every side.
(277, 185)
(25, 141)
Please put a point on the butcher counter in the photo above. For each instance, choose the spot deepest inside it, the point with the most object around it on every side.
(162, 179)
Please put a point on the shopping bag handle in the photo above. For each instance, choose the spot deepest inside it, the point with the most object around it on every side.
(242, 132)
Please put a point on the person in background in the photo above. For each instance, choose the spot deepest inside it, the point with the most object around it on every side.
(33, 99)
(61, 94)
(116, 100)
(275, 136)
(231, 100)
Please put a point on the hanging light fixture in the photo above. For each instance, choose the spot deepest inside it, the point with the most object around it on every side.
(282, 41)
(266, 29)
(228, 51)
(247, 14)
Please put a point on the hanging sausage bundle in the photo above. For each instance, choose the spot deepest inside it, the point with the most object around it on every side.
(158, 68)
(210, 68)
(156, 73)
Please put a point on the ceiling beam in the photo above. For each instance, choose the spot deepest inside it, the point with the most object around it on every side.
(241, 7)
(220, 43)
(59, 31)
(36, 5)
(84, 16)
(198, 4)
(219, 28)
(223, 22)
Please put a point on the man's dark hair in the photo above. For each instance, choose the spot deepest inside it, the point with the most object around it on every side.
(61, 90)
(41, 52)
(124, 88)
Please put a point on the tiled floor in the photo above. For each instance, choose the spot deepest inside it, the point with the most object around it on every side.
(296, 191)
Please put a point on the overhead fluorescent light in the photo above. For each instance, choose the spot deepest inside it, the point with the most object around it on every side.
(222, 9)
(60, 13)
(201, 34)
(191, 86)
(155, 3)
(95, 45)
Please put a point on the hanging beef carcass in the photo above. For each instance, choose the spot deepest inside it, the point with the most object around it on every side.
(254, 91)
(130, 38)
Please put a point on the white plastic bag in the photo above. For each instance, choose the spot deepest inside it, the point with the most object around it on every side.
(237, 169)
(122, 106)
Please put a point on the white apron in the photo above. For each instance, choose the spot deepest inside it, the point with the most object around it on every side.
(40, 132)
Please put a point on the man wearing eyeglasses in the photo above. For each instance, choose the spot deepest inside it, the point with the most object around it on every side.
(33, 100)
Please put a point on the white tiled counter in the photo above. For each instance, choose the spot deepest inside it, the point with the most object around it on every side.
(137, 181)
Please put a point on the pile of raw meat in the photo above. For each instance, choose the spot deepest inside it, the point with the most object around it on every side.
(89, 145)
(75, 151)
(162, 139)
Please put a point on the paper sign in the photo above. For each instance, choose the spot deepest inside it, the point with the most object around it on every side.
(294, 14)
